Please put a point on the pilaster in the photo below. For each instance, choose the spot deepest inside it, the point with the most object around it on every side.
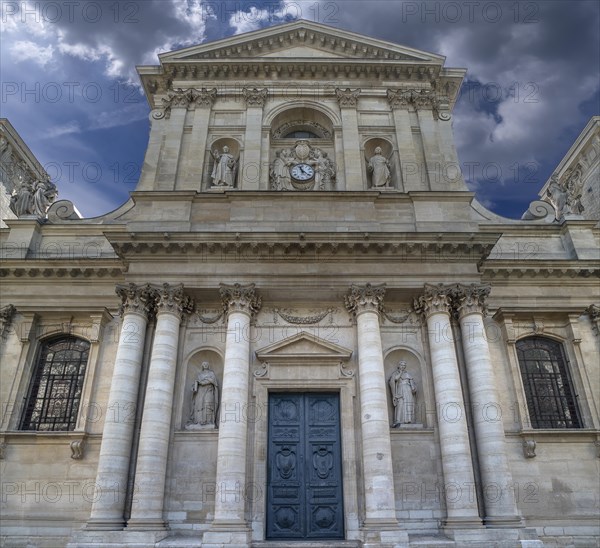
(251, 168)
(353, 171)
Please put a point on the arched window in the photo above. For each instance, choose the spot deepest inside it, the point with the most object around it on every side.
(55, 390)
(299, 134)
(548, 386)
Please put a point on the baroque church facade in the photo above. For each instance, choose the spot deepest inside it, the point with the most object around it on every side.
(302, 328)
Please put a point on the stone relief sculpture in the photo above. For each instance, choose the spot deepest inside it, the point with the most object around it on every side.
(565, 195)
(205, 400)
(379, 167)
(223, 173)
(404, 390)
(33, 198)
(302, 168)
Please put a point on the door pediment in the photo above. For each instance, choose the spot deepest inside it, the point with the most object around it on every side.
(301, 347)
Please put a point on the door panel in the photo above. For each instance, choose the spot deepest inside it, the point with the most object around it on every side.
(304, 476)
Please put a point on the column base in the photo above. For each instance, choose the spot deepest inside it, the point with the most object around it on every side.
(148, 524)
(230, 534)
(510, 522)
(103, 524)
(383, 533)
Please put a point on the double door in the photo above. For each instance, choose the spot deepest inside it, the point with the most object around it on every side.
(304, 475)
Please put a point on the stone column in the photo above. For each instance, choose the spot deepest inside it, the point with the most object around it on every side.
(151, 469)
(115, 451)
(353, 169)
(459, 482)
(378, 475)
(498, 494)
(255, 101)
(229, 525)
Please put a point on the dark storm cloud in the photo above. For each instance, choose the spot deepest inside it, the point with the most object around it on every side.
(532, 80)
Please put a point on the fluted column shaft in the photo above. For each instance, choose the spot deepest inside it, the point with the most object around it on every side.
(457, 465)
(498, 495)
(151, 469)
(241, 303)
(378, 474)
(115, 451)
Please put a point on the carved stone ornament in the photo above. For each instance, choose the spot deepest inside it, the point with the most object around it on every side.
(3, 446)
(317, 128)
(262, 371)
(7, 313)
(593, 311)
(138, 299)
(435, 299)
(362, 298)
(303, 154)
(347, 97)
(420, 99)
(33, 198)
(255, 97)
(303, 320)
(529, 448)
(184, 98)
(77, 449)
(172, 299)
(565, 194)
(470, 299)
(240, 298)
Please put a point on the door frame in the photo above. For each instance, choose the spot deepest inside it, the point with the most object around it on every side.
(311, 377)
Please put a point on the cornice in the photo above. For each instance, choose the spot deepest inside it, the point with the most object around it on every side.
(550, 269)
(65, 270)
(417, 247)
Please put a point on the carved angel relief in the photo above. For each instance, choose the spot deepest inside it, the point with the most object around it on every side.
(302, 168)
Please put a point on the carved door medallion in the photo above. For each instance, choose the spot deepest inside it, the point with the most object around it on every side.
(304, 472)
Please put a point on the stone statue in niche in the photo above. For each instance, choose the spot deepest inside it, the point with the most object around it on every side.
(280, 170)
(205, 400)
(379, 167)
(223, 173)
(404, 390)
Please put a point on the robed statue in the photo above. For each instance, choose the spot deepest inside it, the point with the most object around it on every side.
(205, 400)
(404, 390)
(223, 173)
(379, 167)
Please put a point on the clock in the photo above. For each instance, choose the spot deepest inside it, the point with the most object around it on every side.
(302, 172)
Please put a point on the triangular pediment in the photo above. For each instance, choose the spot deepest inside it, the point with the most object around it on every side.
(301, 40)
(303, 346)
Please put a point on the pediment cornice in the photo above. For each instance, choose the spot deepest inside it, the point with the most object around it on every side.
(303, 346)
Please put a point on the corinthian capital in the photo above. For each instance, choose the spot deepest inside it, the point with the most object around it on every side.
(470, 299)
(436, 298)
(171, 298)
(347, 97)
(255, 97)
(137, 299)
(240, 298)
(6, 316)
(363, 298)
(203, 97)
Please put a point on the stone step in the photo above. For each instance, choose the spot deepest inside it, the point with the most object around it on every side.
(307, 544)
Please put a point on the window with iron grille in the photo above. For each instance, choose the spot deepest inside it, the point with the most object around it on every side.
(55, 390)
(548, 387)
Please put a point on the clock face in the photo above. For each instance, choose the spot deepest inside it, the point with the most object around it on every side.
(302, 172)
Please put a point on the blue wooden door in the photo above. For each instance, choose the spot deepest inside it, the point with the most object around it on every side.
(304, 475)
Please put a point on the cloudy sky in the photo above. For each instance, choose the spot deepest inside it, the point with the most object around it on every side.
(70, 88)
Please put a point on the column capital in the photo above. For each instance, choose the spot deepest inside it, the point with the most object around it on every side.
(203, 97)
(365, 298)
(137, 299)
(470, 299)
(435, 299)
(399, 98)
(255, 97)
(171, 298)
(7, 314)
(347, 97)
(240, 298)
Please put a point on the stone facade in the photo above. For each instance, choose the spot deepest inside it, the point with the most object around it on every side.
(281, 288)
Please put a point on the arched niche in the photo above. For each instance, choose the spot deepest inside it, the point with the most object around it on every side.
(235, 149)
(193, 367)
(390, 153)
(414, 366)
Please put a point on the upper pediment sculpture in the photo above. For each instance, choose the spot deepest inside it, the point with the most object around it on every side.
(302, 168)
(224, 170)
(33, 198)
(565, 195)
